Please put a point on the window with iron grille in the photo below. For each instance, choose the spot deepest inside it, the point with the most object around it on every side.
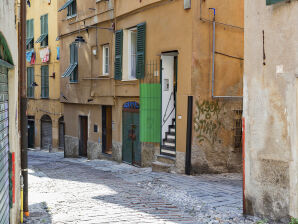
(105, 60)
(45, 81)
(238, 130)
(30, 81)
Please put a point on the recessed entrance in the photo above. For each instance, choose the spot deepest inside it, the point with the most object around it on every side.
(31, 131)
(46, 132)
(107, 129)
(131, 147)
(168, 113)
(83, 136)
(61, 132)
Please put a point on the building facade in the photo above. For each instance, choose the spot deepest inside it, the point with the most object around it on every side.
(10, 138)
(127, 74)
(45, 112)
(270, 109)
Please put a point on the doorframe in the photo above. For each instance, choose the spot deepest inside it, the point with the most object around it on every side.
(102, 139)
(175, 54)
(80, 133)
(31, 118)
(61, 121)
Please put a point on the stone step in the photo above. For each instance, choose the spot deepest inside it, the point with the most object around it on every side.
(168, 150)
(170, 135)
(169, 143)
(161, 167)
(172, 130)
(166, 159)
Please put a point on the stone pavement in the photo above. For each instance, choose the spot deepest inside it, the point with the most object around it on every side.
(81, 191)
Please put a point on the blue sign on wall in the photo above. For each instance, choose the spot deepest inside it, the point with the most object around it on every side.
(131, 105)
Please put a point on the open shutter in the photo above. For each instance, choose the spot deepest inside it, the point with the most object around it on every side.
(45, 24)
(271, 2)
(141, 49)
(118, 54)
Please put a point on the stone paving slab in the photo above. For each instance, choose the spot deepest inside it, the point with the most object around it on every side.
(80, 191)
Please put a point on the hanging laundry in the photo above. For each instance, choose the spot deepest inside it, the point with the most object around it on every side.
(33, 58)
(58, 53)
(29, 55)
(44, 54)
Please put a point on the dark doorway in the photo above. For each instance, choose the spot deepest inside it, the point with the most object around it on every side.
(83, 136)
(61, 132)
(107, 129)
(31, 131)
(131, 147)
(46, 131)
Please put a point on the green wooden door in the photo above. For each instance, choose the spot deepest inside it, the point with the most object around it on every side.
(131, 147)
(4, 148)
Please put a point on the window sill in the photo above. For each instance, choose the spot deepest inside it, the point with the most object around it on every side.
(74, 82)
(44, 98)
(71, 17)
(129, 80)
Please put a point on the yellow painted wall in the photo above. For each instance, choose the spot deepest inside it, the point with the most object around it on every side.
(38, 107)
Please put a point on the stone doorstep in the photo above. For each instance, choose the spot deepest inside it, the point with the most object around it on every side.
(166, 159)
(162, 167)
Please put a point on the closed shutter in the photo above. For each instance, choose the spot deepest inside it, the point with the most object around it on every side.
(271, 2)
(118, 54)
(4, 148)
(46, 133)
(44, 81)
(30, 81)
(141, 49)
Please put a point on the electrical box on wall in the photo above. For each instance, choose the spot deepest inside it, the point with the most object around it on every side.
(187, 4)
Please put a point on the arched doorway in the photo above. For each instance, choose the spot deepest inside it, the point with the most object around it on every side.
(61, 132)
(46, 131)
(131, 147)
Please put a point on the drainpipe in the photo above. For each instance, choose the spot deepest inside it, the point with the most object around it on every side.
(22, 95)
(213, 49)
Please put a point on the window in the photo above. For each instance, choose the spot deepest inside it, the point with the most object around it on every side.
(105, 60)
(72, 9)
(45, 81)
(72, 70)
(132, 54)
(30, 34)
(271, 2)
(30, 81)
(133, 43)
(43, 39)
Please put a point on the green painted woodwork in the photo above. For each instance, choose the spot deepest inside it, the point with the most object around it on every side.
(271, 2)
(118, 54)
(141, 50)
(131, 149)
(45, 81)
(74, 62)
(4, 149)
(69, 2)
(30, 81)
(150, 112)
(43, 39)
(30, 34)
(5, 54)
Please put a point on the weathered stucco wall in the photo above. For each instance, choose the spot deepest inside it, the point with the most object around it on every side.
(216, 120)
(270, 109)
(8, 19)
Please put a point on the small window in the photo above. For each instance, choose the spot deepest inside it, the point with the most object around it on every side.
(72, 70)
(105, 60)
(45, 81)
(132, 53)
(30, 82)
(72, 9)
(30, 34)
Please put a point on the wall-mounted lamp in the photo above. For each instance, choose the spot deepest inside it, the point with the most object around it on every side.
(34, 84)
(80, 40)
(53, 76)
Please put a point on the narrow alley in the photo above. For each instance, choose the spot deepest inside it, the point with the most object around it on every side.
(81, 191)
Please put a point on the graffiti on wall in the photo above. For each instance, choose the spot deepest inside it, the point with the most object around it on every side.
(207, 123)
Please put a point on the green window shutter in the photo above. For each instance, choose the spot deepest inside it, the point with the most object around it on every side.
(71, 53)
(32, 28)
(45, 81)
(141, 50)
(118, 54)
(41, 25)
(27, 29)
(46, 24)
(271, 2)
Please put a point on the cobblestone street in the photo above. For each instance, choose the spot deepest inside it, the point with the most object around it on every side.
(81, 191)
